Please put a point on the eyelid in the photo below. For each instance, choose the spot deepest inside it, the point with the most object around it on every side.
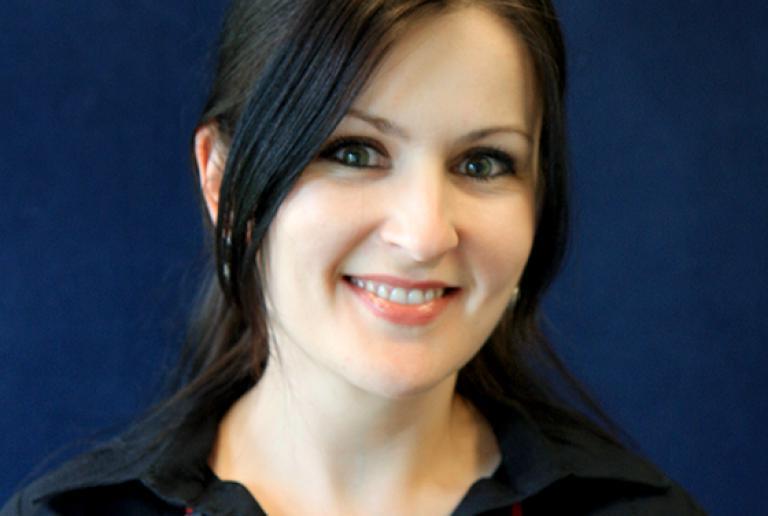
(340, 142)
(503, 158)
(499, 155)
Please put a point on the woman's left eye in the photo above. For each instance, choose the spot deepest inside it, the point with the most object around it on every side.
(486, 164)
(355, 153)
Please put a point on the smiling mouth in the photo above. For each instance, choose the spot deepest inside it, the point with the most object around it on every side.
(402, 304)
(400, 295)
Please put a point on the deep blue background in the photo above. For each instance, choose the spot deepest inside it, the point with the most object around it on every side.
(660, 310)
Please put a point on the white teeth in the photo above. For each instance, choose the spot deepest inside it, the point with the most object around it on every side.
(415, 297)
(399, 295)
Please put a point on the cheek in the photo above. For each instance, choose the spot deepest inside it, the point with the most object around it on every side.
(513, 247)
(311, 233)
(506, 236)
(500, 248)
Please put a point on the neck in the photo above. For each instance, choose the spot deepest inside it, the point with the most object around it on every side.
(347, 443)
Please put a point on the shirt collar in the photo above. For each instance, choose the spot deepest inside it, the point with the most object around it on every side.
(534, 456)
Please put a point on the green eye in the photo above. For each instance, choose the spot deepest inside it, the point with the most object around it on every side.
(479, 167)
(355, 153)
(354, 156)
(487, 163)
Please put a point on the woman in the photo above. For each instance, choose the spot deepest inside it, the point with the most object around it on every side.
(386, 181)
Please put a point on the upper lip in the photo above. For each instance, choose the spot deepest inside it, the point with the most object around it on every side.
(395, 281)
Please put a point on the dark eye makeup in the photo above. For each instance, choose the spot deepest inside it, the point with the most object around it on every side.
(479, 163)
(486, 163)
(355, 152)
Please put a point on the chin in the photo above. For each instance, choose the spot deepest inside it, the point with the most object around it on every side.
(404, 383)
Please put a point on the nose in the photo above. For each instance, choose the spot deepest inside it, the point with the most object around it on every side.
(421, 217)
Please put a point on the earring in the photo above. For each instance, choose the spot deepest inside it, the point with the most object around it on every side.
(515, 296)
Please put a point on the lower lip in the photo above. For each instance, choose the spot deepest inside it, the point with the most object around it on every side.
(407, 315)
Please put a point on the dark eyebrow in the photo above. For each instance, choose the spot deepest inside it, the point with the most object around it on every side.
(389, 127)
(482, 133)
(382, 124)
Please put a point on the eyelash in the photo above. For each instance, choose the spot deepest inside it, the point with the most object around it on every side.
(507, 162)
(500, 157)
(332, 150)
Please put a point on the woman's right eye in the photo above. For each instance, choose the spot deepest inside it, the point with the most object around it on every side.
(355, 153)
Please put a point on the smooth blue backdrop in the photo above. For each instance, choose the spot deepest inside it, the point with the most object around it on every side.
(661, 307)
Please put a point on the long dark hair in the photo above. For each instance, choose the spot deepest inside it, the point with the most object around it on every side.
(287, 72)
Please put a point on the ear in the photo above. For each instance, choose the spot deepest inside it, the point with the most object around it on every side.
(210, 155)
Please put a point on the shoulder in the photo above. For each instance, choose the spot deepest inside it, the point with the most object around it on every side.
(610, 497)
(603, 478)
(129, 497)
(157, 467)
(105, 480)
(565, 466)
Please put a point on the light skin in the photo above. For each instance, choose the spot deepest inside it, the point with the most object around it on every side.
(357, 413)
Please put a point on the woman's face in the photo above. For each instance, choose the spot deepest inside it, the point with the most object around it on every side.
(396, 253)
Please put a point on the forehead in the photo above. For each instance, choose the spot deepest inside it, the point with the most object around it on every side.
(459, 68)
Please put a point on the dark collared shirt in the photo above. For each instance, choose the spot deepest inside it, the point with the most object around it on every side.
(544, 471)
